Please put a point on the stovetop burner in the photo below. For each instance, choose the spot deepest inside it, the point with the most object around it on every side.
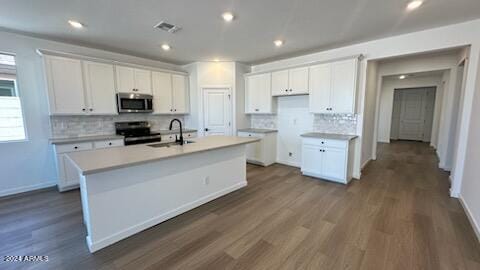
(136, 132)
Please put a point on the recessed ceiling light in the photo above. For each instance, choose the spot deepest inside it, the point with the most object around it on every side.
(401, 77)
(278, 42)
(414, 4)
(228, 16)
(75, 24)
(166, 47)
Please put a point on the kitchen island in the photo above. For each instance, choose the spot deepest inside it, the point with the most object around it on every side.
(125, 190)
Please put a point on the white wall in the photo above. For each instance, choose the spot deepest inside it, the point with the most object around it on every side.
(293, 119)
(471, 185)
(369, 119)
(386, 100)
(30, 164)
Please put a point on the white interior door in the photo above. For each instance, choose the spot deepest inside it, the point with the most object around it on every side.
(412, 115)
(217, 117)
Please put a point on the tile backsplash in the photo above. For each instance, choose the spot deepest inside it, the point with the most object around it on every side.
(74, 126)
(326, 123)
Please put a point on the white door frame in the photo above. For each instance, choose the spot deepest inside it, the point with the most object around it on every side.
(201, 131)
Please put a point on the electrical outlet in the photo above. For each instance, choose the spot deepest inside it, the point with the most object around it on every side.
(290, 154)
(206, 180)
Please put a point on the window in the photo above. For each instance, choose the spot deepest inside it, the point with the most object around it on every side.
(11, 115)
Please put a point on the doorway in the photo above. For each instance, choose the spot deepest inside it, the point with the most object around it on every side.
(412, 115)
(217, 111)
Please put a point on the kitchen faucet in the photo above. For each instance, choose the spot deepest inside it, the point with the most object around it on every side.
(177, 140)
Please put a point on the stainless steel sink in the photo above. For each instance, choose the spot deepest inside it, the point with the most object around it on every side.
(168, 144)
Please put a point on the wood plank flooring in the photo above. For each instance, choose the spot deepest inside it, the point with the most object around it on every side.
(399, 216)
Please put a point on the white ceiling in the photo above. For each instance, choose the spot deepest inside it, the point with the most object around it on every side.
(126, 26)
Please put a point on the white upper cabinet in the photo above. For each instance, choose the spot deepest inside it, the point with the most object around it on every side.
(298, 81)
(66, 91)
(180, 94)
(162, 92)
(258, 99)
(100, 87)
(280, 83)
(344, 86)
(320, 88)
(333, 87)
(290, 82)
(133, 80)
(170, 93)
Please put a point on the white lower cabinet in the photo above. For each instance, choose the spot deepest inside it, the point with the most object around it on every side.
(327, 159)
(263, 152)
(68, 177)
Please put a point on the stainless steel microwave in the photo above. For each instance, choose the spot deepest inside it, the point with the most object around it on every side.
(134, 103)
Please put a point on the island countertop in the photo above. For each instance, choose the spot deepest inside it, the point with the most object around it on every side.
(94, 161)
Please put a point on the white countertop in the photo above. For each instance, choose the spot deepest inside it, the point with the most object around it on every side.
(94, 161)
(78, 139)
(331, 136)
(257, 130)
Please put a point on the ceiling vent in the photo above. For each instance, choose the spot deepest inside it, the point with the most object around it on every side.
(167, 27)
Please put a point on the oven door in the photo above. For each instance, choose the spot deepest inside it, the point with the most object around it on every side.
(134, 103)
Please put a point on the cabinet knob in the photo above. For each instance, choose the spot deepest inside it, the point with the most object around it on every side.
(109, 143)
(171, 110)
(286, 90)
(84, 109)
(291, 90)
(174, 110)
(76, 147)
(256, 110)
(323, 142)
(91, 109)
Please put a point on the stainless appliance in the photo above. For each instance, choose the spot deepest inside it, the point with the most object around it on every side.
(134, 103)
(136, 132)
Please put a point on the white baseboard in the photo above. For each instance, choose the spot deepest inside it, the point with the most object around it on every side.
(473, 222)
(365, 163)
(288, 163)
(158, 219)
(23, 189)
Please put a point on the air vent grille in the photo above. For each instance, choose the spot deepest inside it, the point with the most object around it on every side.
(171, 28)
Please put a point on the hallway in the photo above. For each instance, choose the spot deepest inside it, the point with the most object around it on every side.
(399, 216)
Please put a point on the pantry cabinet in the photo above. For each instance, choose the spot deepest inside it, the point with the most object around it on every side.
(258, 97)
(135, 80)
(333, 87)
(170, 93)
(290, 82)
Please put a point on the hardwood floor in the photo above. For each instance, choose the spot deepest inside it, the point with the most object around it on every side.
(398, 216)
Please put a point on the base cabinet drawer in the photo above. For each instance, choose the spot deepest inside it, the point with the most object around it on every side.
(74, 147)
(107, 144)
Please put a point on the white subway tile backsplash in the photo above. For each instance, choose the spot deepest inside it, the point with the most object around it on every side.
(325, 123)
(74, 126)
